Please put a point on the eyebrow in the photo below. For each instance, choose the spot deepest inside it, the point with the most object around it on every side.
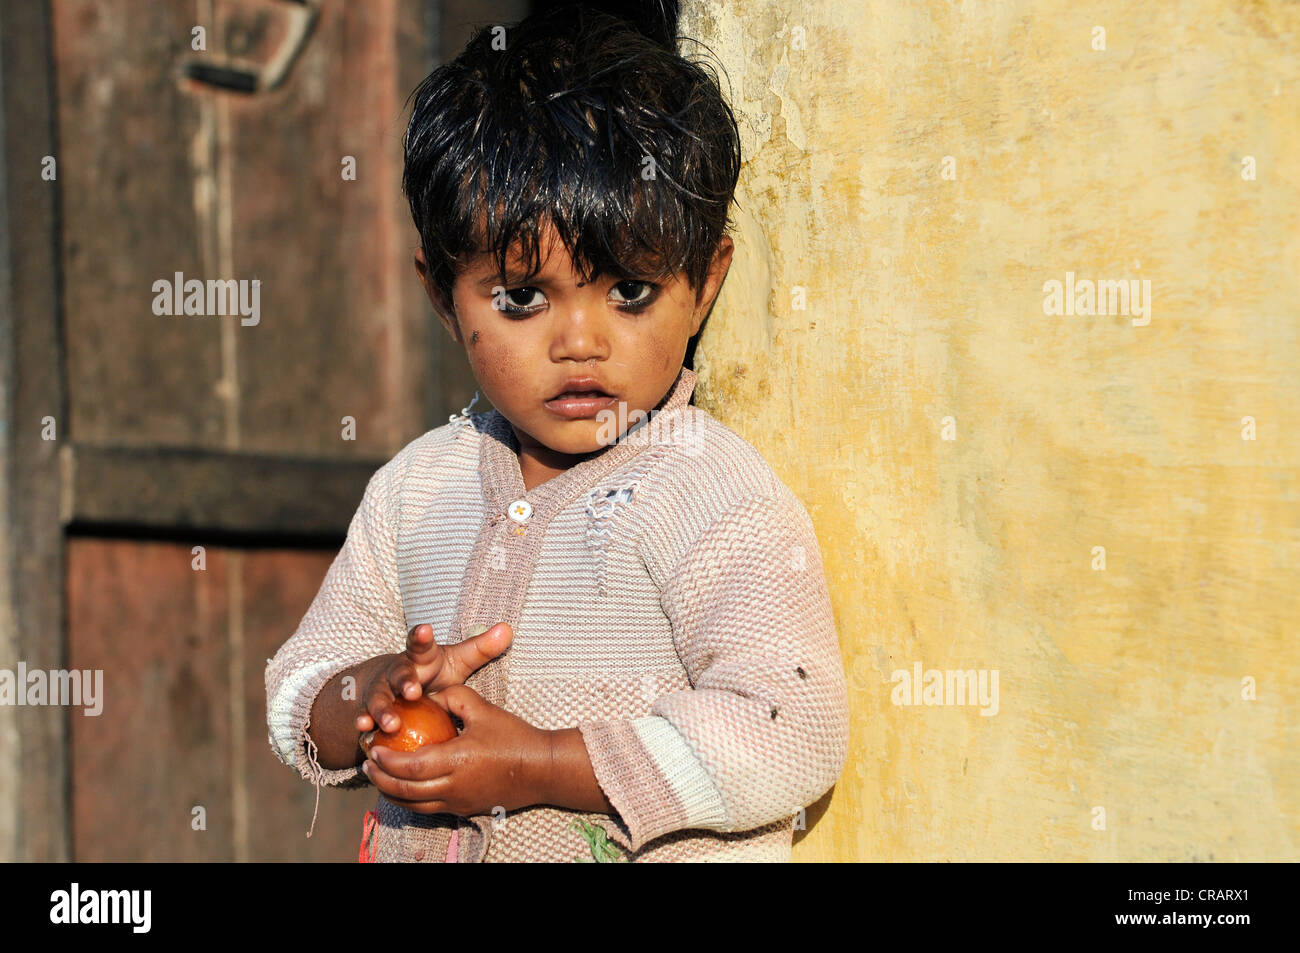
(517, 276)
(512, 278)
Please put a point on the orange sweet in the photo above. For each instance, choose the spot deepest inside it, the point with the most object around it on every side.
(423, 722)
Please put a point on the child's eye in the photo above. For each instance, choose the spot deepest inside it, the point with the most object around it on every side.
(637, 301)
(516, 301)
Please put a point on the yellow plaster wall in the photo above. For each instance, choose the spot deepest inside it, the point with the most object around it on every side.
(1119, 688)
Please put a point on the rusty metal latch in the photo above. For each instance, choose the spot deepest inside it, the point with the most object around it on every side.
(302, 19)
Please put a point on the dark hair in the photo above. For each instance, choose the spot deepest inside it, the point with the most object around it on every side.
(561, 124)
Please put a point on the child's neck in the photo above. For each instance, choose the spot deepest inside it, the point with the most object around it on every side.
(535, 473)
(538, 464)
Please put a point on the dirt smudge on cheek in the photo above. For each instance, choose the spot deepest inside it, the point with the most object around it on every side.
(658, 353)
(502, 366)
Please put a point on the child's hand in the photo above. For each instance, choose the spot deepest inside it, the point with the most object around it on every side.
(427, 666)
(499, 760)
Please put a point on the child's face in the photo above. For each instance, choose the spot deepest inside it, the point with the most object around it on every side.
(526, 339)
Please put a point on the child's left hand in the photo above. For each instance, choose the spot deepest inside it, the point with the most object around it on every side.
(498, 760)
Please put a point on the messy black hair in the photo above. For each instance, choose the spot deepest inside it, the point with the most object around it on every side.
(582, 117)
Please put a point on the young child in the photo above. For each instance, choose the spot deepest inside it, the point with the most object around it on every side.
(614, 594)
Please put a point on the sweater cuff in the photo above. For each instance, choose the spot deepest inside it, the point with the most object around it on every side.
(289, 717)
(652, 777)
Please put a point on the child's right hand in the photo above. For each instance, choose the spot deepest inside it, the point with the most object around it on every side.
(425, 667)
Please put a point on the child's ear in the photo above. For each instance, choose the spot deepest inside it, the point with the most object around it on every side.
(718, 269)
(441, 307)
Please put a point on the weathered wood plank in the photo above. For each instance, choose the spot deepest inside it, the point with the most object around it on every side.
(133, 156)
(195, 491)
(33, 771)
(334, 339)
(183, 723)
(162, 745)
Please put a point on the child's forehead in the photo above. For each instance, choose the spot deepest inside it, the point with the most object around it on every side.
(552, 259)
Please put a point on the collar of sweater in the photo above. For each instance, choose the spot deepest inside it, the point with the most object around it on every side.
(503, 481)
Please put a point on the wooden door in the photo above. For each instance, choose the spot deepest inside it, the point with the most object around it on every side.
(173, 524)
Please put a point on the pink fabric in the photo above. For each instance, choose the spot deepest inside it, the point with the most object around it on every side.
(367, 853)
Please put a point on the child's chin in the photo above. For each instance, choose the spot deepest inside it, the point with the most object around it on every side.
(576, 438)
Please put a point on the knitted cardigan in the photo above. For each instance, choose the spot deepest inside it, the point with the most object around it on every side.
(667, 598)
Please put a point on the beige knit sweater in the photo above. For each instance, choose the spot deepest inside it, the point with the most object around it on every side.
(667, 598)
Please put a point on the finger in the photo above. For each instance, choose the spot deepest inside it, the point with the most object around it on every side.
(472, 654)
(405, 788)
(424, 764)
(461, 701)
(379, 704)
(431, 660)
(404, 681)
(421, 647)
(419, 807)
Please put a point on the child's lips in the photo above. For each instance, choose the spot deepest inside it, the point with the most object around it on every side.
(575, 406)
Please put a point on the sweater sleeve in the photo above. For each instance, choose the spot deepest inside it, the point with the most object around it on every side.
(763, 731)
(356, 615)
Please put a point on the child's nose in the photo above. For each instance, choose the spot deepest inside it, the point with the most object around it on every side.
(580, 327)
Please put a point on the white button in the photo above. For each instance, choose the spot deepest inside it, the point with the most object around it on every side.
(520, 510)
